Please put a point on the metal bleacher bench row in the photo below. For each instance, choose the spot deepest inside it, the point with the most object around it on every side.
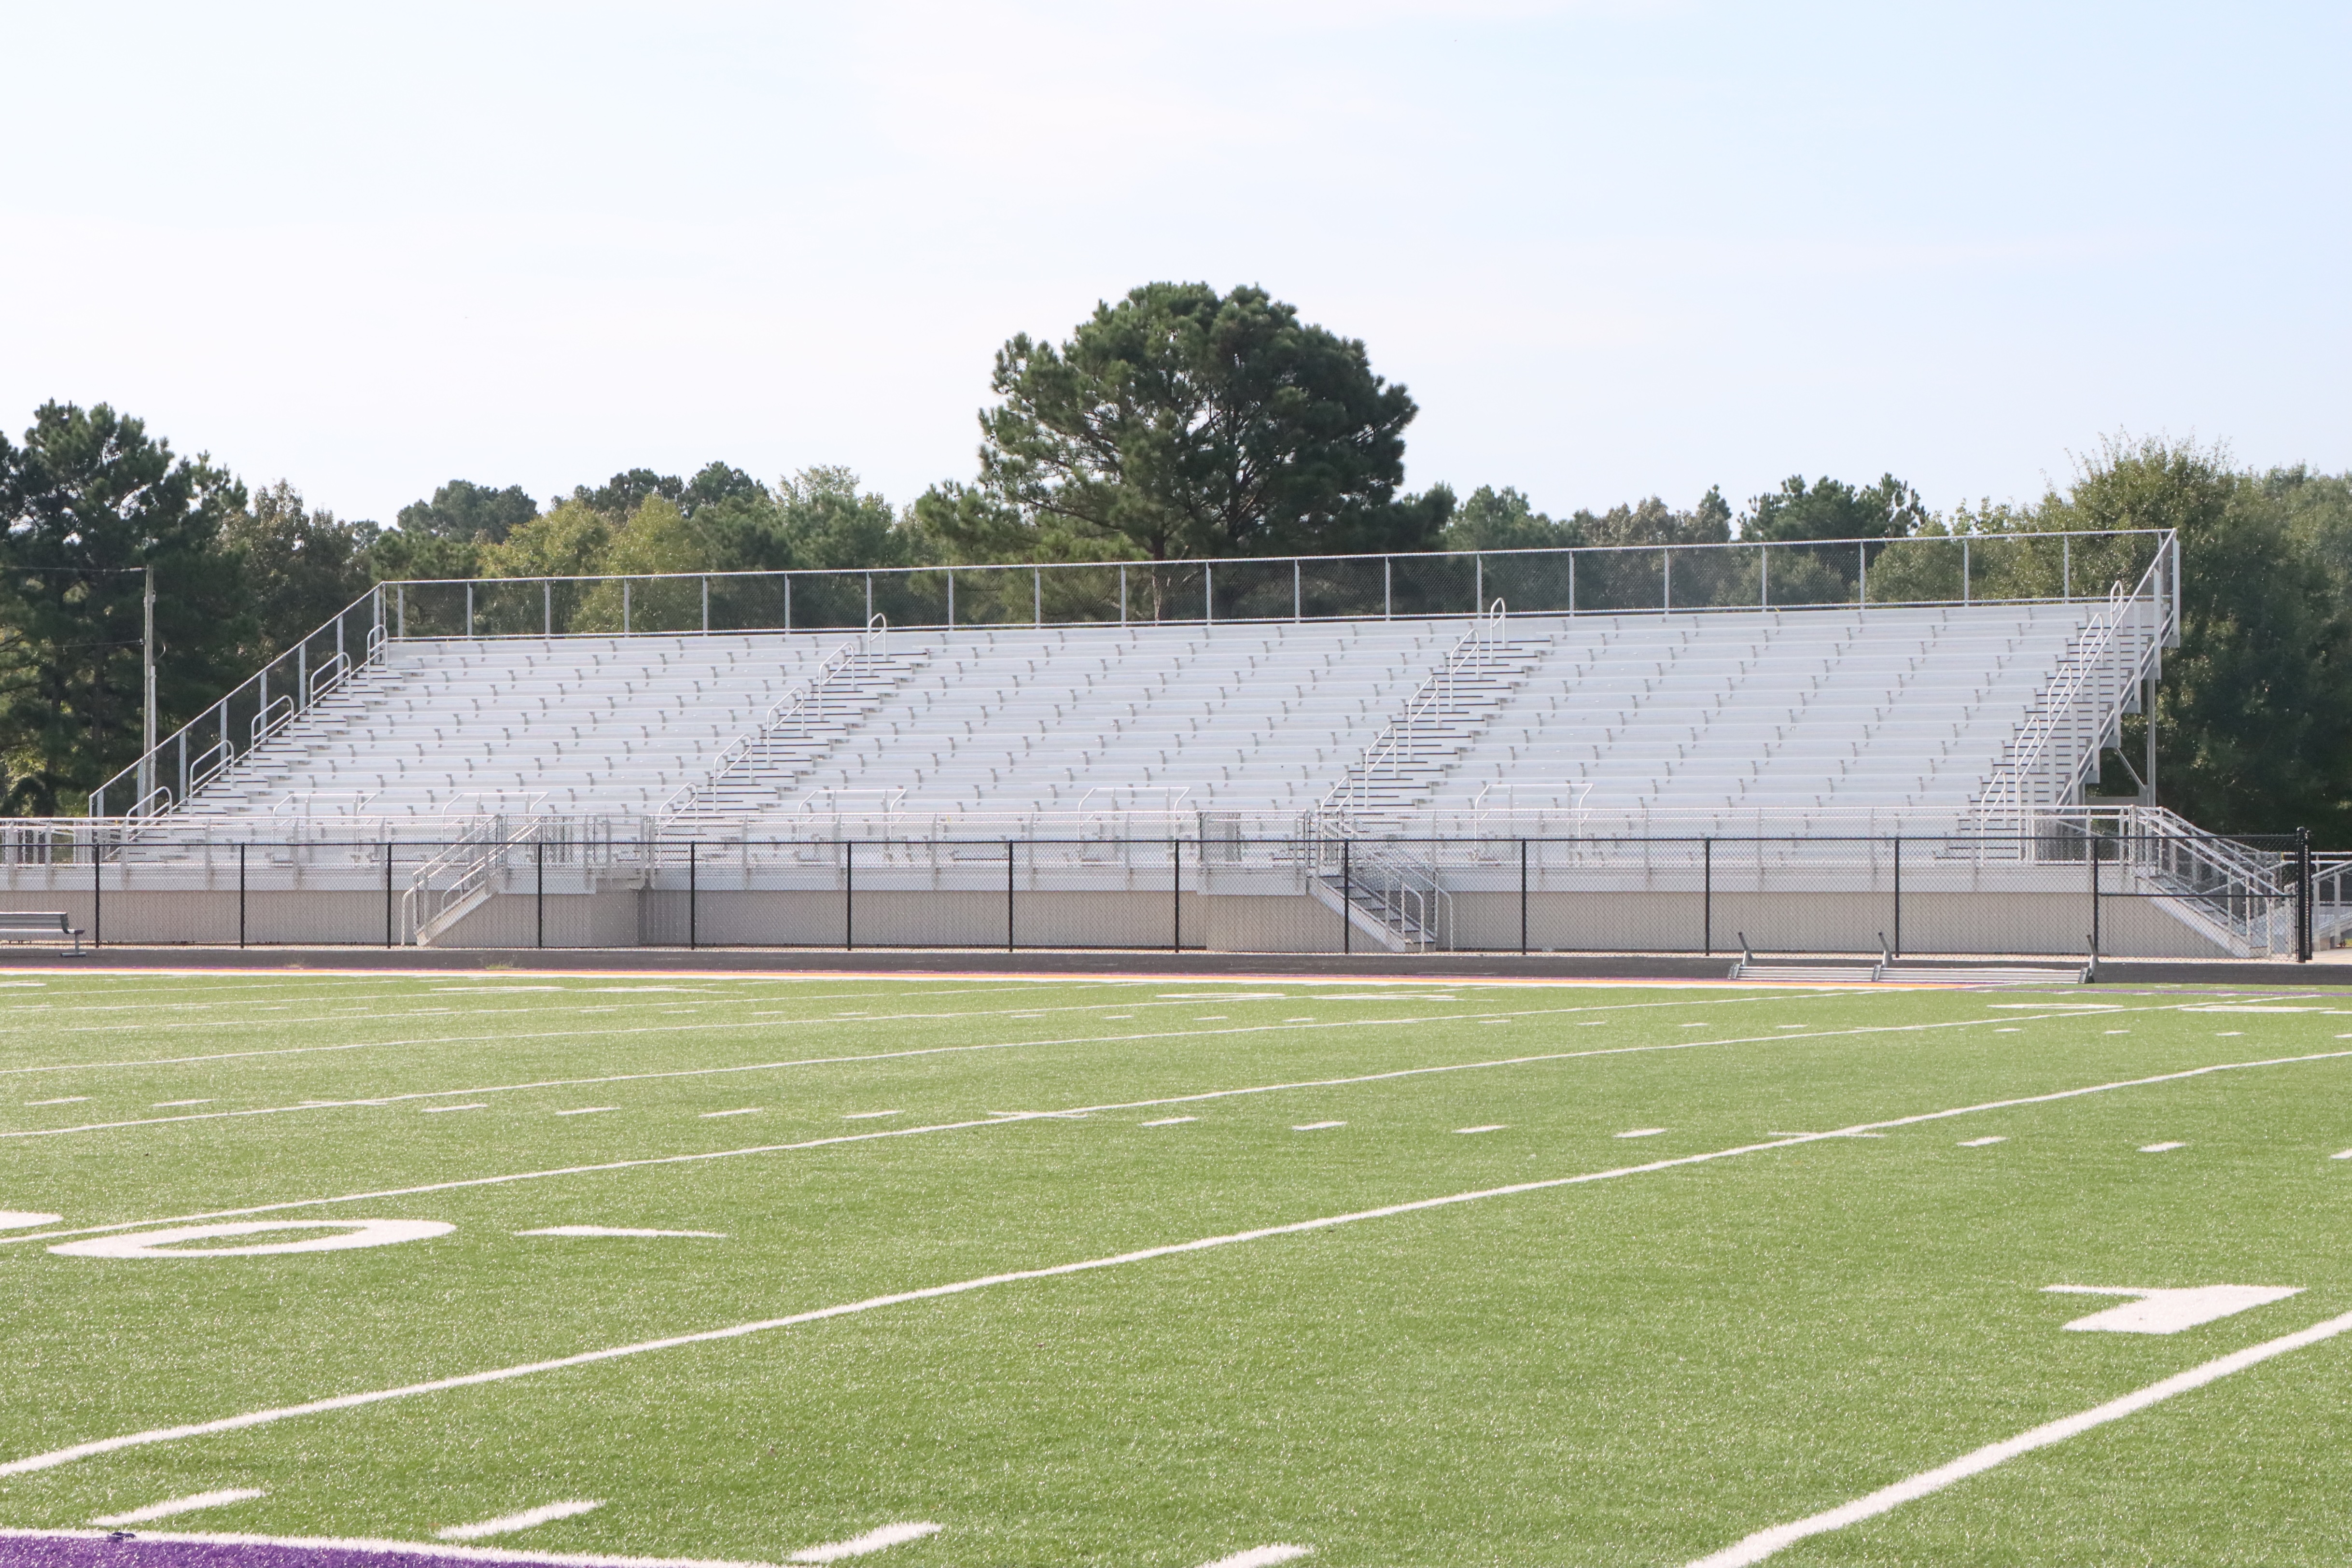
(37, 925)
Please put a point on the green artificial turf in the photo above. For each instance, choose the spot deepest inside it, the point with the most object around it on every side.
(1635, 1370)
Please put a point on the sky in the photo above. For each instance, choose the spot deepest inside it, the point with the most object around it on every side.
(1613, 249)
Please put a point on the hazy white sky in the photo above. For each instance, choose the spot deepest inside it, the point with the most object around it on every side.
(1613, 249)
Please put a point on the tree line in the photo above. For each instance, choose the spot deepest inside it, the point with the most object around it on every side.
(1176, 423)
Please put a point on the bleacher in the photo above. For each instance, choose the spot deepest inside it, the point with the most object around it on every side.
(1900, 711)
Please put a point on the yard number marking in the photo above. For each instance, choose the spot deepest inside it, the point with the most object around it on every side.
(351, 1232)
(2169, 1311)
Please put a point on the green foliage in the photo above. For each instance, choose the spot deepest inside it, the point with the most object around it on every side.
(464, 511)
(88, 499)
(1831, 509)
(298, 568)
(1181, 424)
(2255, 712)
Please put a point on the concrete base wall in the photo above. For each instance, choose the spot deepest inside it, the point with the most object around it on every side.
(1265, 917)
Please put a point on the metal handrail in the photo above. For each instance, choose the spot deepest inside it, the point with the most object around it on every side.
(1402, 734)
(309, 686)
(795, 705)
(2008, 793)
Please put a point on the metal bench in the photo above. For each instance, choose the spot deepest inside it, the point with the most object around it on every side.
(37, 925)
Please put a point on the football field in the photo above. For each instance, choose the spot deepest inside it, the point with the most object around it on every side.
(1163, 1272)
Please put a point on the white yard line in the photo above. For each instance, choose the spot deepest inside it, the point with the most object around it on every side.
(872, 1541)
(997, 1119)
(508, 1523)
(395, 1548)
(1262, 1557)
(1756, 1548)
(1382, 1023)
(599, 1032)
(66, 1456)
(178, 1505)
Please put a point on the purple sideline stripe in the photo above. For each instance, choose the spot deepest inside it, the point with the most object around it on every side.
(86, 1548)
(71, 1553)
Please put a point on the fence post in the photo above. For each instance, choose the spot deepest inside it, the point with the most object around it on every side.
(1346, 899)
(1037, 595)
(387, 892)
(2302, 921)
(240, 894)
(1208, 595)
(547, 609)
(2091, 854)
(539, 898)
(870, 598)
(1706, 893)
(1477, 583)
(1297, 599)
(1176, 889)
(1008, 895)
(1388, 587)
(469, 607)
(693, 933)
(1523, 898)
(849, 895)
(1668, 557)
(1122, 594)
(625, 606)
(97, 891)
(706, 604)
(1898, 895)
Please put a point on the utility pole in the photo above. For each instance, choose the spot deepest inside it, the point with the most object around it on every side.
(147, 660)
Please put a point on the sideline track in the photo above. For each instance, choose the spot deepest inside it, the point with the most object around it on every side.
(59, 1457)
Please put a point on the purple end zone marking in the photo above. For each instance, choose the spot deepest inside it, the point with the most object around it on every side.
(82, 1552)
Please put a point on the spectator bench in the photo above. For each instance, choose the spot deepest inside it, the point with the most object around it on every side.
(34, 925)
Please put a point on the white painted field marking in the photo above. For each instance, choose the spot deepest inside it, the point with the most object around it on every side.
(2008, 1031)
(1179, 1120)
(1981, 1142)
(437, 1110)
(588, 1111)
(175, 1104)
(171, 1506)
(1653, 1132)
(405, 1549)
(1298, 1020)
(159, 1243)
(2160, 1148)
(617, 1230)
(1756, 1548)
(1211, 1018)
(508, 1523)
(2169, 1311)
(68, 1100)
(2346, 1155)
(24, 1219)
(740, 1110)
(869, 1115)
(1316, 1126)
(1004, 1117)
(932, 1292)
(1262, 1557)
(1490, 1127)
(2250, 1007)
(2058, 1006)
(859, 1545)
